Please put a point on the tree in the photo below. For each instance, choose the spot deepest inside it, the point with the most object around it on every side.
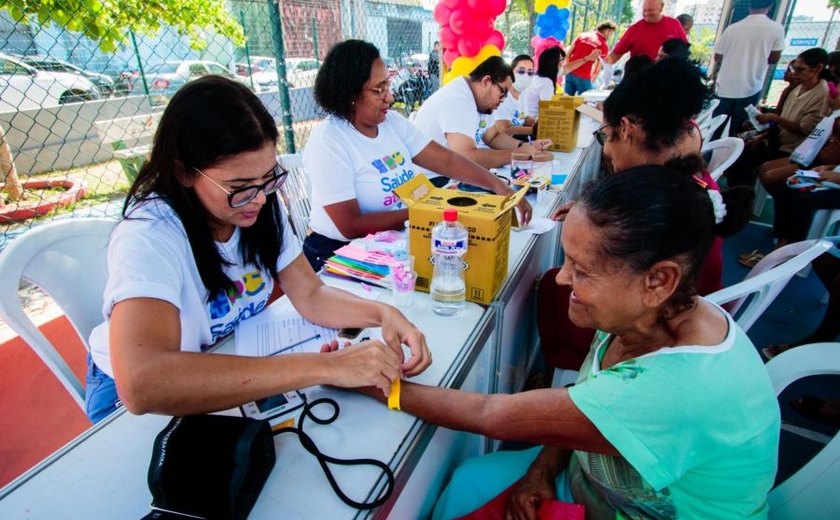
(108, 22)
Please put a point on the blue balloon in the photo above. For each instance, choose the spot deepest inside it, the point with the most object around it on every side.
(553, 22)
(564, 14)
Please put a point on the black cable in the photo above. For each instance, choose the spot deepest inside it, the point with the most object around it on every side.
(323, 459)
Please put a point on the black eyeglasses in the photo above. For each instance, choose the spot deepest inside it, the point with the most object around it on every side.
(242, 196)
(600, 135)
(502, 89)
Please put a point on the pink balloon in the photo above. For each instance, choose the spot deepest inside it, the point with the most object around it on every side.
(469, 45)
(449, 56)
(478, 7)
(453, 4)
(442, 14)
(461, 22)
(447, 38)
(496, 38)
(482, 28)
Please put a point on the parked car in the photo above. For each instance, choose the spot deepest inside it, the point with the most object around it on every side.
(23, 87)
(164, 79)
(103, 83)
(300, 72)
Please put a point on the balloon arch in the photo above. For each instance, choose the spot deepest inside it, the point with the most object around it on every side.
(468, 35)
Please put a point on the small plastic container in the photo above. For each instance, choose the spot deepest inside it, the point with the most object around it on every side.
(403, 279)
(520, 165)
(543, 165)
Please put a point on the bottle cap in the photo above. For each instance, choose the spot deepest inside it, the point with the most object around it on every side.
(450, 215)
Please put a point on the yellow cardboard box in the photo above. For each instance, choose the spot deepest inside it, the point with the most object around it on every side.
(488, 219)
(560, 121)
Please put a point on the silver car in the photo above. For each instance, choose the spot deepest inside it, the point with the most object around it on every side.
(26, 88)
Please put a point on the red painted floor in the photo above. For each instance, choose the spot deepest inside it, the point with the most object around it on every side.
(37, 416)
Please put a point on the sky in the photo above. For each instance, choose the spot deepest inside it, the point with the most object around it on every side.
(814, 8)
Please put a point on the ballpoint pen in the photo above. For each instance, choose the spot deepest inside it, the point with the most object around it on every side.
(293, 345)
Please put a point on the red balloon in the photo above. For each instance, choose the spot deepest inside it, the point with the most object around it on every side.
(482, 28)
(461, 22)
(449, 56)
(469, 45)
(442, 14)
(494, 7)
(453, 4)
(496, 38)
(447, 38)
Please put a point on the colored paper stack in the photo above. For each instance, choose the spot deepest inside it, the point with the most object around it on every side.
(355, 263)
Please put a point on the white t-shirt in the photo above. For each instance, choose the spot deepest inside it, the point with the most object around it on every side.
(149, 256)
(511, 110)
(450, 110)
(745, 46)
(540, 89)
(343, 164)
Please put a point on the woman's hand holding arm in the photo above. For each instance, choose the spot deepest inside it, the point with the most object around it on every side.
(335, 308)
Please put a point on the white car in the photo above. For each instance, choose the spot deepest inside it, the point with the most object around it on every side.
(300, 72)
(164, 79)
(25, 88)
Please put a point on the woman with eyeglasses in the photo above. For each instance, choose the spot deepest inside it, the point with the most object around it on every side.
(203, 245)
(511, 117)
(544, 84)
(803, 109)
(363, 150)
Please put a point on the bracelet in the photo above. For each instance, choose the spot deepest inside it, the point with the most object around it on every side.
(394, 396)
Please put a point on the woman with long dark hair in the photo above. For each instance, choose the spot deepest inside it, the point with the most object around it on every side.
(544, 84)
(202, 244)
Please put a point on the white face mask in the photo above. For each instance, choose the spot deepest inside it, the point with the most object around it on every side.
(521, 81)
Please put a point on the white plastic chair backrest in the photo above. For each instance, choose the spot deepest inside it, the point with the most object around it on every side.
(823, 222)
(725, 151)
(67, 259)
(706, 114)
(297, 194)
(811, 491)
(708, 127)
(767, 279)
(412, 116)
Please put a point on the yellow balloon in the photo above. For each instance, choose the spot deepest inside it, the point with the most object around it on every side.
(463, 66)
(541, 5)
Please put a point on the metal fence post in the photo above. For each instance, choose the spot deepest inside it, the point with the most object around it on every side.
(139, 63)
(247, 50)
(315, 40)
(283, 84)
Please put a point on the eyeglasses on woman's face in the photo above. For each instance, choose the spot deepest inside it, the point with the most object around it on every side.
(381, 90)
(600, 135)
(242, 196)
(523, 70)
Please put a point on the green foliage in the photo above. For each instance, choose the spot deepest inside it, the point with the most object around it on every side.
(108, 21)
(834, 4)
(626, 17)
(702, 42)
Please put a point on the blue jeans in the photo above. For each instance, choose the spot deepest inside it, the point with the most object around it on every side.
(734, 108)
(101, 398)
(576, 85)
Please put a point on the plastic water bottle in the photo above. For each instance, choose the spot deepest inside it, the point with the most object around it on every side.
(449, 245)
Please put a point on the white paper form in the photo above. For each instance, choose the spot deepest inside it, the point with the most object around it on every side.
(280, 329)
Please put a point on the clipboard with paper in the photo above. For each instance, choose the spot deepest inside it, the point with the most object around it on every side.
(280, 329)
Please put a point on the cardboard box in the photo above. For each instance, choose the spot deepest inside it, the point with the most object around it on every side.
(559, 121)
(487, 217)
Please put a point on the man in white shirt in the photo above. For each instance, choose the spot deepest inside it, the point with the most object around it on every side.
(452, 115)
(742, 54)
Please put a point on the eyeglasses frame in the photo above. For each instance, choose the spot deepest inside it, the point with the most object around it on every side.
(283, 173)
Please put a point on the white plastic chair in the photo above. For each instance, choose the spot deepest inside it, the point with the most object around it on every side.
(706, 114)
(811, 491)
(67, 259)
(767, 279)
(297, 194)
(725, 152)
(823, 223)
(708, 127)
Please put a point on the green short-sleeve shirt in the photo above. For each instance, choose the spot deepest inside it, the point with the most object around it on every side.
(697, 428)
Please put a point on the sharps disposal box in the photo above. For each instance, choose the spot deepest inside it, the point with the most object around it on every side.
(487, 217)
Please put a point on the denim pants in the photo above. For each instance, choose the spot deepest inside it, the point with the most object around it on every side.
(101, 398)
(734, 108)
(576, 85)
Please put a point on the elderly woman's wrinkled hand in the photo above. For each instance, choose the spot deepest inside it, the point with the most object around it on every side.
(526, 496)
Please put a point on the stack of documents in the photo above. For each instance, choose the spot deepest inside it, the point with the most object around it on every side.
(355, 263)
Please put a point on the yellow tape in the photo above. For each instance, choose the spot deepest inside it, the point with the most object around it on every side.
(394, 396)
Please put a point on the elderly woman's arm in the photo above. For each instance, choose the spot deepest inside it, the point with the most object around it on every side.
(546, 417)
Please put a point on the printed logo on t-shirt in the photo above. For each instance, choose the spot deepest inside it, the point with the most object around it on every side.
(518, 118)
(248, 297)
(480, 131)
(393, 166)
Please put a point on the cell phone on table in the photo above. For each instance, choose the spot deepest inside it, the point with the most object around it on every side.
(349, 333)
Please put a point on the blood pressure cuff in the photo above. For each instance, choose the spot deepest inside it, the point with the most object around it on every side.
(210, 466)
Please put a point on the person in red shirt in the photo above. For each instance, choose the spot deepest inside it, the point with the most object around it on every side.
(648, 34)
(583, 62)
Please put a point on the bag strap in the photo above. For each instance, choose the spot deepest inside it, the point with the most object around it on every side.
(324, 459)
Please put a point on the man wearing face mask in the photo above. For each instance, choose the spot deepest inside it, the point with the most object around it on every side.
(584, 60)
